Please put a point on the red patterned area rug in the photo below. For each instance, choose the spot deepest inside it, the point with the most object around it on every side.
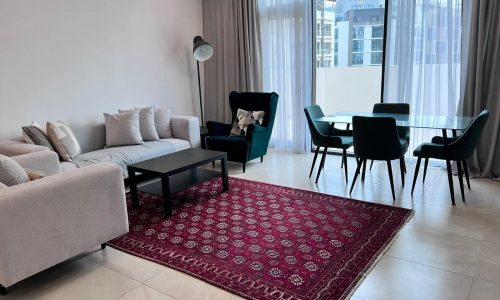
(263, 241)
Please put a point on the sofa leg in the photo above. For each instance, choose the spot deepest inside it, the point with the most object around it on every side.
(103, 246)
(244, 167)
(3, 290)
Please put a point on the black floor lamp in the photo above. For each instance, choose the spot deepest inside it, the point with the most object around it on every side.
(202, 51)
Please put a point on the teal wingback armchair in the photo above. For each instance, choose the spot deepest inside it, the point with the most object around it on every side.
(255, 143)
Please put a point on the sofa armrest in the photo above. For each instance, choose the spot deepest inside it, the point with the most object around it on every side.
(186, 128)
(45, 161)
(13, 148)
(49, 220)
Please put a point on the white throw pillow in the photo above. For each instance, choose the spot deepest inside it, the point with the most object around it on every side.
(2, 186)
(63, 140)
(122, 129)
(162, 122)
(11, 173)
(146, 123)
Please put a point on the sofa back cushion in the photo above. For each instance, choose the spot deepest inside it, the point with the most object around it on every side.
(122, 129)
(11, 173)
(91, 137)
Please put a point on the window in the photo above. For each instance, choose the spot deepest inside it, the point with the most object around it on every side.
(377, 32)
(357, 45)
(357, 59)
(327, 30)
(377, 45)
(358, 32)
(376, 58)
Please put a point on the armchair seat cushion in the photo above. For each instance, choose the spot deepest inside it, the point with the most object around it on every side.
(228, 143)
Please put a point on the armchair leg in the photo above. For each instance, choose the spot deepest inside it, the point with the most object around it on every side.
(416, 174)
(466, 171)
(389, 168)
(425, 169)
(103, 246)
(360, 162)
(244, 164)
(262, 159)
(314, 161)
(460, 179)
(3, 290)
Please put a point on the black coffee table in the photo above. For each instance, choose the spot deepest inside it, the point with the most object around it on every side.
(177, 171)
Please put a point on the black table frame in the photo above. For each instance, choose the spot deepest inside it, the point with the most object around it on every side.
(177, 179)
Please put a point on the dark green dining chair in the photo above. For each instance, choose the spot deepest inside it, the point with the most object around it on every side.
(457, 149)
(376, 138)
(340, 139)
(395, 108)
(256, 141)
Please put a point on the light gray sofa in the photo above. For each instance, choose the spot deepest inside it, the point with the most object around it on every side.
(46, 221)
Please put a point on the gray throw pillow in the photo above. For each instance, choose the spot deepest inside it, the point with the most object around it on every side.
(34, 134)
(162, 122)
(11, 173)
(146, 123)
(245, 118)
(2, 186)
(122, 129)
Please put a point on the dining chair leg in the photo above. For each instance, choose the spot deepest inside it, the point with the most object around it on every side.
(364, 170)
(342, 163)
(466, 172)
(344, 160)
(360, 162)
(389, 168)
(403, 164)
(460, 179)
(371, 165)
(416, 174)
(314, 161)
(425, 168)
(402, 171)
(322, 163)
(450, 181)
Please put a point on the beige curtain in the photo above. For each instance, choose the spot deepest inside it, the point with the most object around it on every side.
(482, 85)
(232, 27)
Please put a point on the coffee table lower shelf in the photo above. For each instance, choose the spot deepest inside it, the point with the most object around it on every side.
(180, 182)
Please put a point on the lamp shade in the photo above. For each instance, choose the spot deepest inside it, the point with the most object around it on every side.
(202, 50)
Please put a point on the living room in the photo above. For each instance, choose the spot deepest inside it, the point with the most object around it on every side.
(218, 149)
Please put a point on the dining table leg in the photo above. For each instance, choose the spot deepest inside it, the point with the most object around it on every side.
(448, 165)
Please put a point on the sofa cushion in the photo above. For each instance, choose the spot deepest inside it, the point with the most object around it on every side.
(126, 155)
(11, 173)
(162, 121)
(35, 135)
(146, 122)
(63, 140)
(2, 186)
(122, 129)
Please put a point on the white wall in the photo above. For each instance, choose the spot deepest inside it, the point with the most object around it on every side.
(74, 59)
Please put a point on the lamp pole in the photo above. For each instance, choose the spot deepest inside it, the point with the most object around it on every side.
(199, 89)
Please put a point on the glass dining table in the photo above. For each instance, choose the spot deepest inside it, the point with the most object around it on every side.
(444, 123)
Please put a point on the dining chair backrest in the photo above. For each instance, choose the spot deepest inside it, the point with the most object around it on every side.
(463, 147)
(375, 138)
(317, 129)
(395, 108)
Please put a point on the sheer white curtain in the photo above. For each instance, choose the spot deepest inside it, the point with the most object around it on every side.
(286, 37)
(423, 58)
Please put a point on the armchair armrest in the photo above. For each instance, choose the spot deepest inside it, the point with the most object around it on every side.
(49, 220)
(186, 128)
(440, 140)
(13, 148)
(218, 128)
(45, 161)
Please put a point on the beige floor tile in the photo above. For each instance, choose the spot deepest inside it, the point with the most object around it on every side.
(468, 222)
(436, 249)
(181, 286)
(489, 262)
(129, 265)
(492, 228)
(80, 279)
(484, 290)
(395, 278)
(145, 293)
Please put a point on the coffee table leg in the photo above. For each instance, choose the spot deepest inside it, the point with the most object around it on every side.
(225, 182)
(167, 202)
(132, 182)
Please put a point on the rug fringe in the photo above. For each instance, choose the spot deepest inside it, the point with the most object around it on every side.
(379, 256)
